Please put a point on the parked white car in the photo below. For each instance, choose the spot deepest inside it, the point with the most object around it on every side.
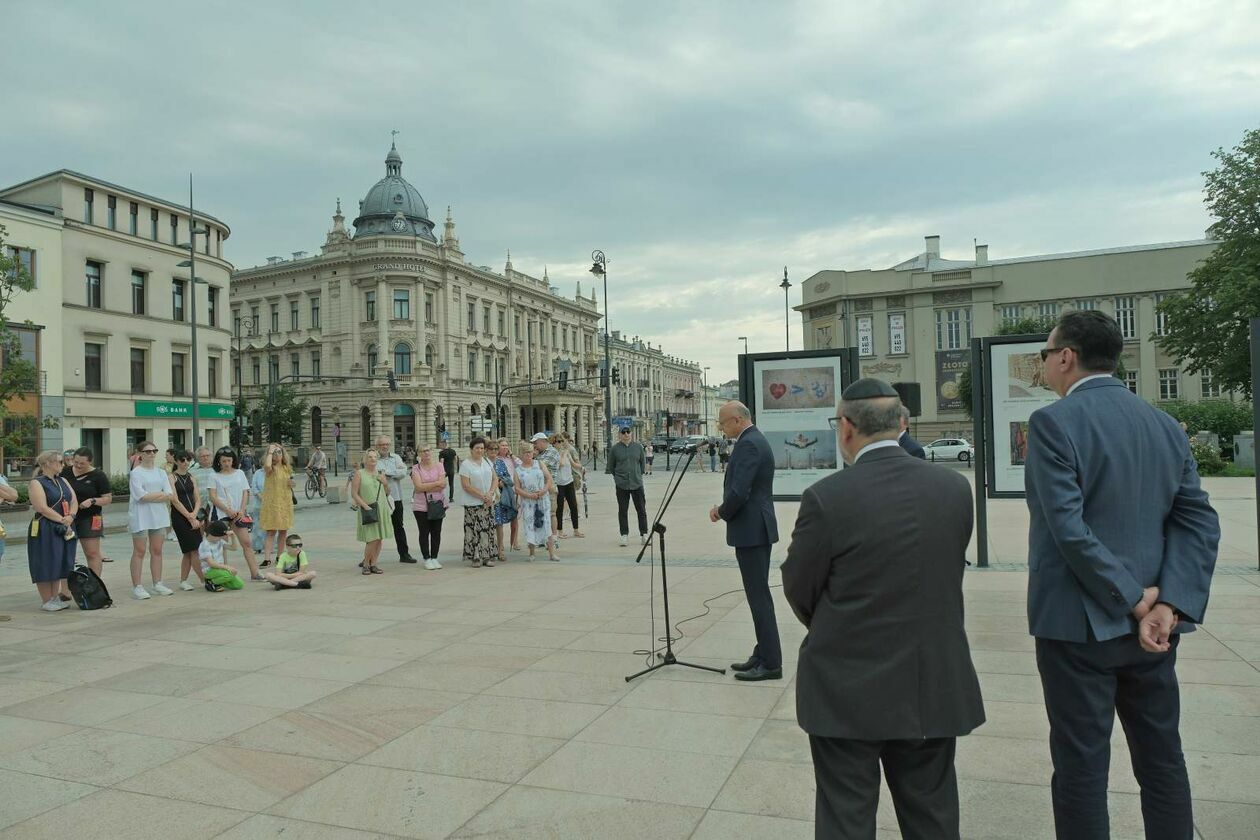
(949, 449)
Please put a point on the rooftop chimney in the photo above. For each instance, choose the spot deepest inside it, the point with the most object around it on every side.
(982, 255)
(274, 260)
(297, 255)
(933, 245)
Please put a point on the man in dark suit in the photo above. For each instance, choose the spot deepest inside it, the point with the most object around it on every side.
(748, 509)
(1121, 546)
(905, 441)
(874, 572)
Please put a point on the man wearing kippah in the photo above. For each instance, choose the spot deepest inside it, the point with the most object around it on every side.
(874, 572)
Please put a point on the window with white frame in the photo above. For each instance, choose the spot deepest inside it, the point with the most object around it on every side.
(1085, 305)
(402, 304)
(1161, 320)
(953, 328)
(1209, 389)
(1010, 314)
(897, 333)
(1169, 384)
(1131, 380)
(866, 335)
(1126, 316)
(1047, 310)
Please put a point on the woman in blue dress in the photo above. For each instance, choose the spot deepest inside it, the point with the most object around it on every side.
(51, 542)
(533, 494)
(505, 509)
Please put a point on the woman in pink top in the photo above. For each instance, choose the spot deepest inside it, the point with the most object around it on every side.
(429, 480)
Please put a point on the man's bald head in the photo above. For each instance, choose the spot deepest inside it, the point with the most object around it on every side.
(733, 417)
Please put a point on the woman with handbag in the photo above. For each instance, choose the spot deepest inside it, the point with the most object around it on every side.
(230, 496)
(534, 487)
(186, 519)
(505, 508)
(429, 504)
(51, 543)
(479, 490)
(369, 496)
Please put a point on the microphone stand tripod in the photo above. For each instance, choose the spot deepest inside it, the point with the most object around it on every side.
(658, 528)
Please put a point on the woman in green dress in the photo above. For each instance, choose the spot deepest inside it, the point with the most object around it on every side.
(368, 493)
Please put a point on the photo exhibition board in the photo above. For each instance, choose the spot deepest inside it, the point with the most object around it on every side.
(792, 402)
(1017, 388)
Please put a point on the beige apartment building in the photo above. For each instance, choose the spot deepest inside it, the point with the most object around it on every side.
(33, 236)
(390, 298)
(914, 322)
(652, 384)
(125, 315)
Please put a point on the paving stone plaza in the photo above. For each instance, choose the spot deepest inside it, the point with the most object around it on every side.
(491, 703)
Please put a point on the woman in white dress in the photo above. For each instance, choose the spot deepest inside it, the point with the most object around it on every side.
(148, 517)
(533, 491)
(230, 496)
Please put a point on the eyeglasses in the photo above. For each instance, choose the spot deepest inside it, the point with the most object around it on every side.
(295, 545)
(1046, 351)
(148, 451)
(834, 422)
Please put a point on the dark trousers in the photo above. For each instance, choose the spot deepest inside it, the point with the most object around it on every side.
(1086, 686)
(430, 534)
(920, 775)
(754, 568)
(566, 493)
(400, 530)
(623, 508)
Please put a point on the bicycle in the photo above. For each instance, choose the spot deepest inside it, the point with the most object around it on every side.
(315, 487)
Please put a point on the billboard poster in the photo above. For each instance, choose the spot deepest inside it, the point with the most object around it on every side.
(795, 397)
(1017, 388)
(949, 366)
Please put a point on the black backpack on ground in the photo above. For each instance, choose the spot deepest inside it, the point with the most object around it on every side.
(88, 590)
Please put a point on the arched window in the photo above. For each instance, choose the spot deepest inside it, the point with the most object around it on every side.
(475, 412)
(402, 359)
(371, 358)
(317, 422)
(428, 355)
(365, 421)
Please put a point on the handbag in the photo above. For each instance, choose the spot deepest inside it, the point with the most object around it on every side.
(372, 515)
(434, 509)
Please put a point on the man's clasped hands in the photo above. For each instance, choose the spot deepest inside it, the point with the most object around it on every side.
(1156, 621)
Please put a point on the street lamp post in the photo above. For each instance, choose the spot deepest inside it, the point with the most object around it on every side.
(599, 267)
(191, 265)
(744, 339)
(785, 285)
(704, 396)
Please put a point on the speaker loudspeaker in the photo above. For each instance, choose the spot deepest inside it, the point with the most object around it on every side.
(910, 398)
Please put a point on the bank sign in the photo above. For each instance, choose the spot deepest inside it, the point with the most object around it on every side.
(183, 410)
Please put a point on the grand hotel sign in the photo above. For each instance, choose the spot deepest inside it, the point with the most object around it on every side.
(417, 268)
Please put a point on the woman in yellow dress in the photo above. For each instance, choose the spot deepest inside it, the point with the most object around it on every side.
(276, 516)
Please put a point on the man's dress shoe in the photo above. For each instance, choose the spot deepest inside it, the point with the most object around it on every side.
(745, 666)
(759, 672)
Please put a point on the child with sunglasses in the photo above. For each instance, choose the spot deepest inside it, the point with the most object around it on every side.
(292, 569)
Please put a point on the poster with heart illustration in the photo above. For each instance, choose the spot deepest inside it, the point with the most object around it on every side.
(797, 388)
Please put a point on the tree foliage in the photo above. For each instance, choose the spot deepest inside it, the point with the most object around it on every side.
(18, 376)
(285, 416)
(1208, 326)
(1224, 417)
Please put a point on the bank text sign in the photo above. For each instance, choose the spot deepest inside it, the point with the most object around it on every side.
(183, 410)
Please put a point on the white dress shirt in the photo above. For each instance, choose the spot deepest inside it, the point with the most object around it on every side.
(879, 444)
(1085, 379)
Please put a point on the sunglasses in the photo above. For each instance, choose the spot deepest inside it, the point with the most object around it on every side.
(1046, 351)
(148, 451)
(295, 545)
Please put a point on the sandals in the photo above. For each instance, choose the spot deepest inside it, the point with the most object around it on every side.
(579, 535)
(367, 570)
(376, 570)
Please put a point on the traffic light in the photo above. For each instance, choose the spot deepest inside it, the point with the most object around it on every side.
(393, 383)
(616, 375)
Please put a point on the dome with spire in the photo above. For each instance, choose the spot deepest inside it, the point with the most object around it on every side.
(393, 206)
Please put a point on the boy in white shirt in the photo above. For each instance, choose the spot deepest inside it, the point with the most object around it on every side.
(292, 569)
(218, 574)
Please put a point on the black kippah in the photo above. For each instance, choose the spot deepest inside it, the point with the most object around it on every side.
(867, 389)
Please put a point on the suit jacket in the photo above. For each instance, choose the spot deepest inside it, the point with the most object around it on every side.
(748, 492)
(1115, 506)
(911, 445)
(874, 572)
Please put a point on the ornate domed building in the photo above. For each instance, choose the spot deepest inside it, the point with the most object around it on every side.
(392, 299)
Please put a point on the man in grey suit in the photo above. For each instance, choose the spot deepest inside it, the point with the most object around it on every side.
(1121, 547)
(748, 510)
(874, 572)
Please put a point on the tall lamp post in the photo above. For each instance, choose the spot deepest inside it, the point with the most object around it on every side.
(785, 285)
(704, 396)
(599, 267)
(744, 339)
(193, 280)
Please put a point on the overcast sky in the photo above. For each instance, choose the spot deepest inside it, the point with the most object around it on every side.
(703, 146)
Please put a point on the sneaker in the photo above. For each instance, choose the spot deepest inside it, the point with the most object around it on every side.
(140, 594)
(52, 606)
(407, 559)
(186, 586)
(160, 588)
(170, 537)
(258, 578)
(432, 564)
(625, 539)
(213, 587)
(646, 539)
(306, 584)
(279, 586)
(488, 563)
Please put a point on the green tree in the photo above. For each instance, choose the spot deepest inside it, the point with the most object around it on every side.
(285, 416)
(1207, 327)
(17, 375)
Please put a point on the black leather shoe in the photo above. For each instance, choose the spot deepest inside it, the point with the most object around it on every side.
(745, 666)
(760, 672)
(407, 559)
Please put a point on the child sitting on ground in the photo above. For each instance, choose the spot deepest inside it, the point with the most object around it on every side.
(218, 575)
(292, 567)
